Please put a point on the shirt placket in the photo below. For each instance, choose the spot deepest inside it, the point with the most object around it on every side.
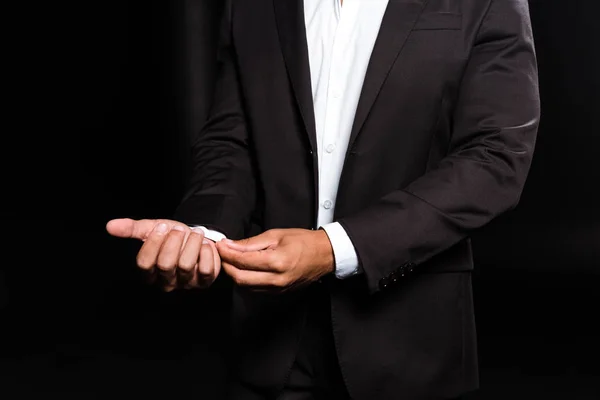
(333, 113)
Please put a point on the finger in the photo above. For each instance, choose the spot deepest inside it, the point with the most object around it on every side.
(168, 257)
(261, 242)
(216, 257)
(148, 254)
(188, 260)
(254, 279)
(137, 229)
(206, 265)
(129, 228)
(253, 260)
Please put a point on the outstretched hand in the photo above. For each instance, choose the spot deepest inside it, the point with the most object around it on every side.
(172, 254)
(278, 259)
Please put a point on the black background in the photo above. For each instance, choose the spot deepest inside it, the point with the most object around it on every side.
(103, 99)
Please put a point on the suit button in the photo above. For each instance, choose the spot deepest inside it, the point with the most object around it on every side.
(383, 283)
(394, 277)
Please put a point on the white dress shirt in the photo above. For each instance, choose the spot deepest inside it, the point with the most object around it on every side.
(340, 40)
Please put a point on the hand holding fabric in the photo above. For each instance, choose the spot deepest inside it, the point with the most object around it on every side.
(278, 260)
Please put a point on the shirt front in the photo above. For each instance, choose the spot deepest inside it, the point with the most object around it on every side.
(340, 38)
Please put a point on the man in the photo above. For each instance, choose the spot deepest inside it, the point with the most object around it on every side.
(366, 140)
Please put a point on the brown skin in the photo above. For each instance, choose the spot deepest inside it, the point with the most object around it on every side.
(175, 256)
(278, 260)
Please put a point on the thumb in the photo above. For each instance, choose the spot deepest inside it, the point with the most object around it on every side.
(255, 243)
(129, 228)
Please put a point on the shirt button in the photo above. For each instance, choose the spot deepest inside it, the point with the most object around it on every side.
(330, 148)
(327, 204)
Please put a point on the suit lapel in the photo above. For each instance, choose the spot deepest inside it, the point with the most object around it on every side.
(292, 35)
(399, 18)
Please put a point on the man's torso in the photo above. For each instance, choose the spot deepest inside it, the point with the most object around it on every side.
(418, 337)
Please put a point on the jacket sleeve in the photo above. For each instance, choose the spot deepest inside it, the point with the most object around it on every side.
(222, 193)
(493, 137)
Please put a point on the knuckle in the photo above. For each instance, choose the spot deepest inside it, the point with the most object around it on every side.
(186, 266)
(144, 262)
(203, 273)
(239, 280)
(165, 265)
(280, 281)
(278, 264)
(205, 268)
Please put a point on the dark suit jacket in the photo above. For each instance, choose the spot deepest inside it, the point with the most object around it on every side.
(441, 144)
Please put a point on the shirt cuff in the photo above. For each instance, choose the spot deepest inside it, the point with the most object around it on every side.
(210, 234)
(346, 260)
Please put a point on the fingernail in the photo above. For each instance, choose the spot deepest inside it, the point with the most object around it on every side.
(227, 240)
(179, 228)
(205, 241)
(161, 228)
